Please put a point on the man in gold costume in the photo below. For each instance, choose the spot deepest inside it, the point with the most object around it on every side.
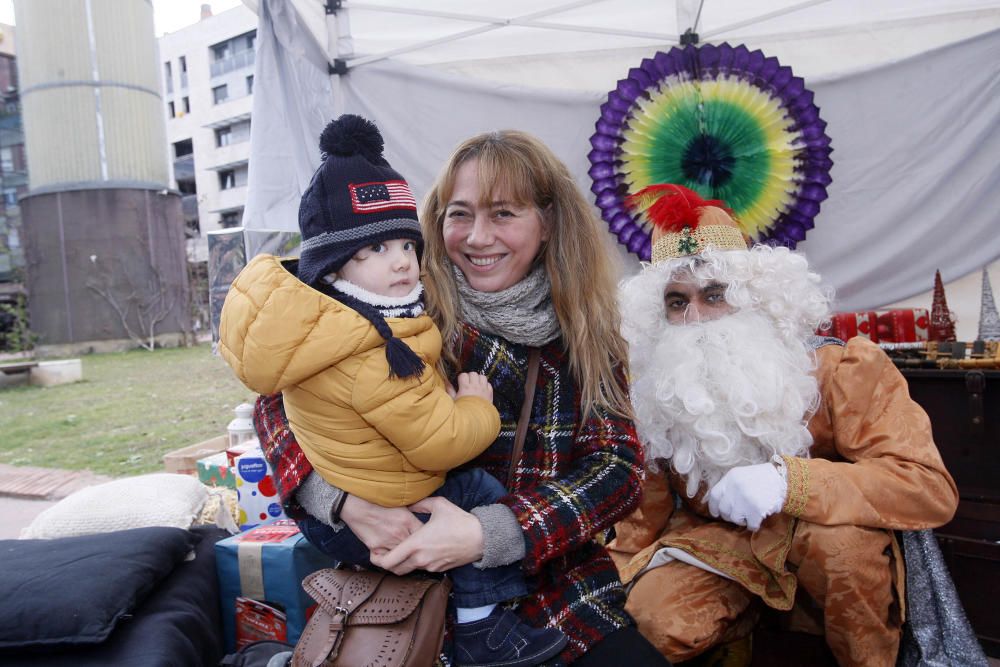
(779, 463)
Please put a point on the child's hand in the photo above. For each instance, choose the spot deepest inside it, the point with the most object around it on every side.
(474, 384)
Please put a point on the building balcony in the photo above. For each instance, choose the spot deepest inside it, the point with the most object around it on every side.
(239, 60)
(189, 207)
(229, 199)
(184, 168)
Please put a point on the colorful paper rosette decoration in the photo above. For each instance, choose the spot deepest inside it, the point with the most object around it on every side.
(725, 121)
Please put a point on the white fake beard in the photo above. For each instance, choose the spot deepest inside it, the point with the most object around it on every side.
(715, 395)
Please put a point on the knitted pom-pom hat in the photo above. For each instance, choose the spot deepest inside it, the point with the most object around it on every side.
(355, 199)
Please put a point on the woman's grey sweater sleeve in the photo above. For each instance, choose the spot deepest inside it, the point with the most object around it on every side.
(318, 497)
(503, 537)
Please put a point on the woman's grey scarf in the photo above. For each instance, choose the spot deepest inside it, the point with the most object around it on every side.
(522, 313)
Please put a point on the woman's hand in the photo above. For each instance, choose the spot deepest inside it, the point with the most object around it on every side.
(451, 538)
(380, 528)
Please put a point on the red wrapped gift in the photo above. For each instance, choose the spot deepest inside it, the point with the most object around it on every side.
(849, 325)
(908, 325)
(257, 621)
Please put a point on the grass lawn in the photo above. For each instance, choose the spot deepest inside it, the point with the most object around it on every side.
(130, 409)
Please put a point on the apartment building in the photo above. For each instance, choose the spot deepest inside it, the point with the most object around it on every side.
(207, 71)
(13, 163)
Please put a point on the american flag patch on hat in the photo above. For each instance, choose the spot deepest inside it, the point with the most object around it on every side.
(375, 197)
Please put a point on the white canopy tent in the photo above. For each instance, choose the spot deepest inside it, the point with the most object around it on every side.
(910, 90)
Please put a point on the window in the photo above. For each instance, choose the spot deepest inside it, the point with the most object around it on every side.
(224, 136)
(10, 197)
(168, 78)
(220, 93)
(227, 179)
(250, 39)
(186, 103)
(182, 148)
(170, 110)
(220, 51)
(6, 159)
(231, 219)
(182, 61)
(236, 133)
(250, 85)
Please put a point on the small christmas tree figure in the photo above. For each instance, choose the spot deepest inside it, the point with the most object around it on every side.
(989, 320)
(942, 321)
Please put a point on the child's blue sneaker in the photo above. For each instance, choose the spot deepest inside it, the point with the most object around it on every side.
(502, 640)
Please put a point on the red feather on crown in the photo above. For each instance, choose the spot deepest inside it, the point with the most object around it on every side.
(672, 207)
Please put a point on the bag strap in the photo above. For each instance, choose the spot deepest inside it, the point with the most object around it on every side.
(530, 381)
(341, 590)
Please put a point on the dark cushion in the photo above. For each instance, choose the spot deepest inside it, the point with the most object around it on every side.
(74, 590)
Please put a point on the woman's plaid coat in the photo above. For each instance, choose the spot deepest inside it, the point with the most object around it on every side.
(574, 480)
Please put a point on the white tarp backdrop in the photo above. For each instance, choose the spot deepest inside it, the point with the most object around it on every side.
(915, 130)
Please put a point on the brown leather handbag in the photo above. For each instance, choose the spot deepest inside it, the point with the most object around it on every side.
(378, 619)
(375, 619)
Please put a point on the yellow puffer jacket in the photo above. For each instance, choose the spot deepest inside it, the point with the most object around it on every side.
(389, 441)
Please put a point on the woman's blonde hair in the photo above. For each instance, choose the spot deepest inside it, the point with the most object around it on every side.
(517, 167)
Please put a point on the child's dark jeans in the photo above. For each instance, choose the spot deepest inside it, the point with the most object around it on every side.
(471, 586)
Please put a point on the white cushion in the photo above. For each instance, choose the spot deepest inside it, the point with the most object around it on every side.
(161, 499)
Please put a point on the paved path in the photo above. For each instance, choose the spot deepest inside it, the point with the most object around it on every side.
(25, 492)
(44, 483)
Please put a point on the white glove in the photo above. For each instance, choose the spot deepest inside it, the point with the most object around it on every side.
(749, 494)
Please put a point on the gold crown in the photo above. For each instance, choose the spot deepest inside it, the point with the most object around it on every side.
(715, 229)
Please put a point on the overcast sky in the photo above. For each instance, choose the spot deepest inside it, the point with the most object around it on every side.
(168, 15)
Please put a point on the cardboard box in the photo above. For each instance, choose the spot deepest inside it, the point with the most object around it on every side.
(184, 461)
(215, 470)
(257, 494)
(268, 564)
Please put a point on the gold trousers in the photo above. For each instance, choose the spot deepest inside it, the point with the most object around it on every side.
(845, 570)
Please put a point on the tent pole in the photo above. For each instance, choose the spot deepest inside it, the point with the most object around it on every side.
(337, 43)
(493, 23)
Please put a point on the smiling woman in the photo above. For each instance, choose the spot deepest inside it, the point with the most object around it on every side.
(490, 237)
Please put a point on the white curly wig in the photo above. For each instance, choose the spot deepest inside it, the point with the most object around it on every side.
(710, 396)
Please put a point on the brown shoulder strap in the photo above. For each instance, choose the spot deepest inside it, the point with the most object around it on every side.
(530, 380)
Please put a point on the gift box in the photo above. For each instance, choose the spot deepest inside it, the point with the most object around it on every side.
(258, 621)
(215, 470)
(849, 325)
(257, 494)
(267, 564)
(910, 325)
(239, 450)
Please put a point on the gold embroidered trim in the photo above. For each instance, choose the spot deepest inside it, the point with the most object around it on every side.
(798, 486)
(690, 242)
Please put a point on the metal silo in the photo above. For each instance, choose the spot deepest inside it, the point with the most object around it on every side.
(103, 233)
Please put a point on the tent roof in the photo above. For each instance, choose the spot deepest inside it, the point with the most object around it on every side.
(504, 41)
